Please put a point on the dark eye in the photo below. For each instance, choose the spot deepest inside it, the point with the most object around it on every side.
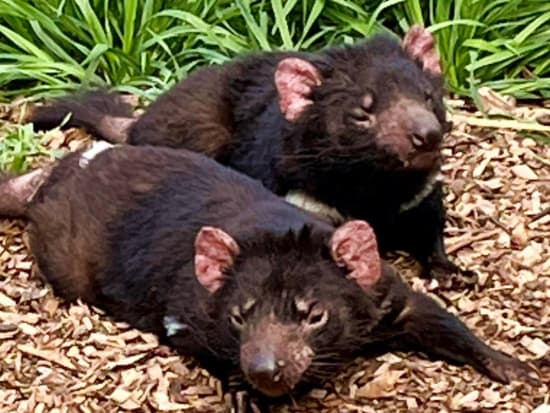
(428, 97)
(359, 114)
(314, 316)
(236, 318)
(317, 317)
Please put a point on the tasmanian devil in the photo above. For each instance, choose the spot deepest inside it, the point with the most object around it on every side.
(356, 128)
(268, 297)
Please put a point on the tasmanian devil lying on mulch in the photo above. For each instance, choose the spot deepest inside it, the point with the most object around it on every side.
(356, 128)
(268, 297)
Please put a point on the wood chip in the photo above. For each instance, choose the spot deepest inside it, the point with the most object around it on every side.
(543, 408)
(50, 305)
(131, 404)
(318, 394)
(536, 346)
(411, 403)
(520, 236)
(9, 318)
(163, 404)
(63, 357)
(28, 329)
(120, 395)
(127, 361)
(381, 386)
(524, 171)
(467, 401)
(5, 301)
(490, 398)
(48, 355)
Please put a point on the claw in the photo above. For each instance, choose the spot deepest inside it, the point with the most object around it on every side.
(242, 399)
(506, 369)
(240, 402)
(449, 275)
(228, 401)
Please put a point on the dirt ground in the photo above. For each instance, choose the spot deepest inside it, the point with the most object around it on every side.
(59, 357)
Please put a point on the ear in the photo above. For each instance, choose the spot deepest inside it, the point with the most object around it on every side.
(419, 44)
(215, 252)
(353, 245)
(295, 79)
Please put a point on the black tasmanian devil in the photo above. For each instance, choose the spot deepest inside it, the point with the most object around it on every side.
(267, 296)
(357, 129)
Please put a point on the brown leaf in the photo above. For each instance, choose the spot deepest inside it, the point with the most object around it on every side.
(543, 408)
(6, 301)
(381, 386)
(496, 103)
(524, 172)
(120, 395)
(536, 346)
(49, 355)
(126, 361)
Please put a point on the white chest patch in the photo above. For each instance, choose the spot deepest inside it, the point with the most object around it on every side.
(173, 325)
(94, 150)
(308, 203)
(426, 190)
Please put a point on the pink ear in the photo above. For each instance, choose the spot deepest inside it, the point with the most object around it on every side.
(215, 251)
(419, 43)
(295, 79)
(354, 246)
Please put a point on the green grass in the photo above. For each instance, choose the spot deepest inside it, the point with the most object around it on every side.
(19, 145)
(49, 47)
(503, 44)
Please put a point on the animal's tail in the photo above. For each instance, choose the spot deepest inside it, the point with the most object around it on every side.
(17, 192)
(103, 114)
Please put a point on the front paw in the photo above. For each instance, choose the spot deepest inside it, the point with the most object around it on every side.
(506, 369)
(449, 275)
(241, 402)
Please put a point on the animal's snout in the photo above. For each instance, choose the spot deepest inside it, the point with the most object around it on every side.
(425, 133)
(263, 367)
(275, 356)
(264, 371)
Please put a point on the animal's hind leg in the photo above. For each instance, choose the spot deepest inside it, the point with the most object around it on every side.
(17, 192)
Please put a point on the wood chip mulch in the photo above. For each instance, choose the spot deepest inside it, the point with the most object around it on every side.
(58, 357)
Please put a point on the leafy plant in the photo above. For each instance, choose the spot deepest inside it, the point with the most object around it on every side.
(502, 44)
(19, 145)
(49, 47)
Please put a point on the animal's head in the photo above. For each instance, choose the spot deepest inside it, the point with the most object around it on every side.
(302, 310)
(379, 95)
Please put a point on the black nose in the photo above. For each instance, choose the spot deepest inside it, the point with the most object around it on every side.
(426, 131)
(263, 370)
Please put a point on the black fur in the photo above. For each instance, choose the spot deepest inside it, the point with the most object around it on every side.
(120, 234)
(86, 110)
(231, 112)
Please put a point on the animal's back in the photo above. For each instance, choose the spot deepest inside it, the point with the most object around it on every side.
(74, 211)
(126, 222)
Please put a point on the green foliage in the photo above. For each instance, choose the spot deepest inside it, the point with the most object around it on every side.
(48, 47)
(19, 145)
(503, 44)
